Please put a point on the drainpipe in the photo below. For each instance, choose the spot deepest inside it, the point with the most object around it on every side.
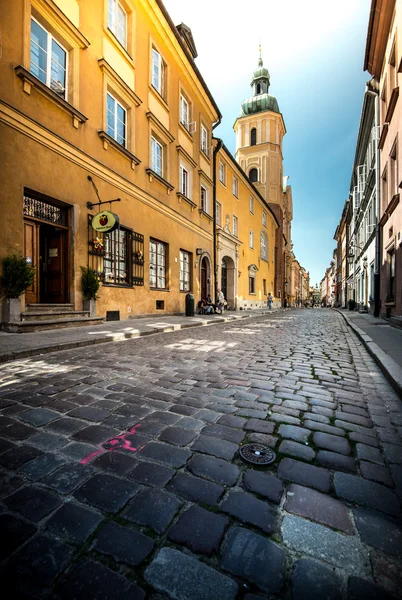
(216, 150)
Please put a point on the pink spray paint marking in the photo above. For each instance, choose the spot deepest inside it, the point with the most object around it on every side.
(119, 442)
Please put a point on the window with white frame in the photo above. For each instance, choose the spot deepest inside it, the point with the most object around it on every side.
(116, 260)
(157, 264)
(116, 120)
(185, 271)
(204, 140)
(49, 60)
(222, 173)
(251, 239)
(158, 72)
(184, 111)
(218, 213)
(204, 198)
(184, 181)
(264, 245)
(252, 205)
(117, 21)
(156, 156)
(235, 187)
(264, 219)
(235, 226)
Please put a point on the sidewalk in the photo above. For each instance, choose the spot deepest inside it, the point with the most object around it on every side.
(22, 345)
(382, 341)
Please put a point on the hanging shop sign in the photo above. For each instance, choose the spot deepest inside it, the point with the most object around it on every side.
(105, 221)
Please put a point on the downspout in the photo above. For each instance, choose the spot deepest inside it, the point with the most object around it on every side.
(215, 268)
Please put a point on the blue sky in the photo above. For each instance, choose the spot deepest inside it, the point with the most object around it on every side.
(314, 51)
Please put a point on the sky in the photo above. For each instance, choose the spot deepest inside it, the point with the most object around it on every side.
(314, 51)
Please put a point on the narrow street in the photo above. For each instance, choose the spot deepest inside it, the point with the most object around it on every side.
(121, 475)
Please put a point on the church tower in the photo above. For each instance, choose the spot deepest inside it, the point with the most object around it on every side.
(259, 134)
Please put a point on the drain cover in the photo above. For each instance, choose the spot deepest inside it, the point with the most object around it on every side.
(257, 454)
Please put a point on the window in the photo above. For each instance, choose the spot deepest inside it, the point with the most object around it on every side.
(116, 264)
(218, 213)
(384, 189)
(184, 112)
(157, 264)
(251, 239)
(117, 21)
(48, 60)
(184, 182)
(116, 118)
(204, 199)
(391, 262)
(393, 172)
(251, 205)
(263, 245)
(235, 226)
(204, 140)
(264, 286)
(251, 284)
(222, 173)
(156, 157)
(253, 137)
(253, 175)
(158, 72)
(264, 219)
(185, 271)
(235, 187)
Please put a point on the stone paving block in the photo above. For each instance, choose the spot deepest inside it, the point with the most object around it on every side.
(324, 544)
(387, 572)
(364, 439)
(190, 423)
(196, 489)
(259, 426)
(388, 435)
(355, 410)
(222, 408)
(177, 436)
(152, 474)
(321, 410)
(182, 409)
(214, 446)
(250, 412)
(18, 431)
(89, 413)
(115, 462)
(296, 404)
(106, 492)
(183, 577)
(48, 441)
(316, 417)
(32, 502)
(40, 416)
(261, 438)
(254, 559)
(335, 461)
(361, 491)
(284, 418)
(377, 473)
(393, 452)
(123, 544)
(331, 442)
(313, 580)
(351, 418)
(150, 427)
(90, 579)
(323, 427)
(371, 432)
(304, 474)
(369, 453)
(361, 589)
(40, 561)
(41, 466)
(214, 469)
(224, 433)
(6, 445)
(263, 484)
(199, 530)
(152, 508)
(313, 505)
(378, 531)
(232, 421)
(209, 416)
(298, 450)
(299, 434)
(165, 453)
(66, 425)
(249, 509)
(74, 521)
(67, 478)
(13, 533)
(9, 482)
(78, 451)
(95, 434)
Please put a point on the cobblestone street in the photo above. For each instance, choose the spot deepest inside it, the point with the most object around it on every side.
(121, 475)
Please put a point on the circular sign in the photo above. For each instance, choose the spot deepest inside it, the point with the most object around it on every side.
(105, 221)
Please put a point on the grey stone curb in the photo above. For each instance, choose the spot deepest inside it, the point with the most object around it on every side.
(118, 336)
(388, 365)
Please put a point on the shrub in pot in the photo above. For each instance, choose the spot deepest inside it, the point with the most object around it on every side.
(90, 287)
(17, 276)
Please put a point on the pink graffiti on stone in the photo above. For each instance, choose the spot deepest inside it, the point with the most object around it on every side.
(119, 442)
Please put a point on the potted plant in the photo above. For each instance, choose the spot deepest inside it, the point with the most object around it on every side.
(90, 287)
(17, 276)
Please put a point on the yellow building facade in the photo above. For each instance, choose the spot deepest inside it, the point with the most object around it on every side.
(101, 101)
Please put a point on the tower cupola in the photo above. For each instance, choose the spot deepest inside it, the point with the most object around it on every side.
(260, 100)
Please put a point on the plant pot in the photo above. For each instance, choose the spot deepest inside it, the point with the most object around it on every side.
(90, 306)
(11, 310)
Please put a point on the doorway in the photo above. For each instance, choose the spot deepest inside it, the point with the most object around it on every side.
(204, 278)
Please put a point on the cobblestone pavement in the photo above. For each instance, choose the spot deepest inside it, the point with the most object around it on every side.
(121, 477)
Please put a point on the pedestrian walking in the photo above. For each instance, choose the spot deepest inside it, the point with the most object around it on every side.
(269, 300)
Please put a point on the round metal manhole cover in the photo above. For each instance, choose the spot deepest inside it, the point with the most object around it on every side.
(257, 454)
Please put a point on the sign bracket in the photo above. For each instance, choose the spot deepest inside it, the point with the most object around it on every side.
(90, 205)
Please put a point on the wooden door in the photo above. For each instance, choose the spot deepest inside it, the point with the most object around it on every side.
(53, 272)
(204, 291)
(31, 234)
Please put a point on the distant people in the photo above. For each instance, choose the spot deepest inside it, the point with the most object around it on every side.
(220, 301)
(210, 306)
(269, 301)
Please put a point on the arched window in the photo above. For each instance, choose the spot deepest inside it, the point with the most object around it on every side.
(253, 175)
(258, 88)
(253, 137)
(264, 245)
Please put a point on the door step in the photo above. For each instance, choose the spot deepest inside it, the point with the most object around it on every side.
(54, 315)
(36, 326)
(49, 308)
